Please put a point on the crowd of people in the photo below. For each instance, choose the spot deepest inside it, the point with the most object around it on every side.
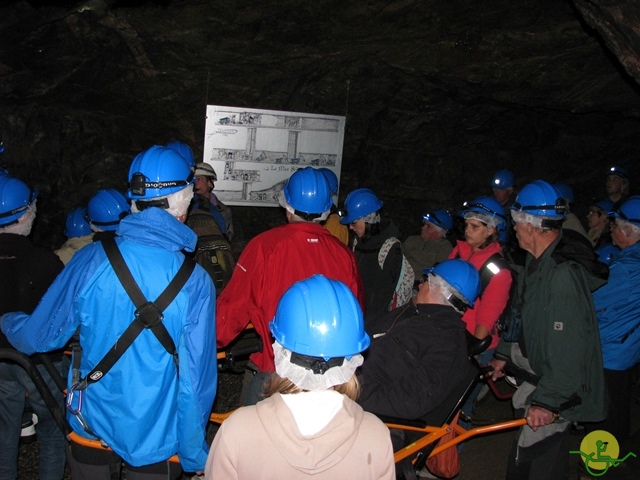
(353, 322)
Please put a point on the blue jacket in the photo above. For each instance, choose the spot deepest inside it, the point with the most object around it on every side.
(618, 309)
(140, 408)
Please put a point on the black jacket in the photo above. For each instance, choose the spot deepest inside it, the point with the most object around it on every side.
(420, 360)
(26, 272)
(379, 283)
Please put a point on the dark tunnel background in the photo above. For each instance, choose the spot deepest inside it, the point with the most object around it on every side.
(438, 94)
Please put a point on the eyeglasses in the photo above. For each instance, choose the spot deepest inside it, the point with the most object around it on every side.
(594, 212)
(425, 278)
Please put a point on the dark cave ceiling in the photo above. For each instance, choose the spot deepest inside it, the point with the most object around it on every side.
(438, 94)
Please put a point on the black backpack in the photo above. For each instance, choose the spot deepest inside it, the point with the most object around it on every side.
(213, 251)
(510, 321)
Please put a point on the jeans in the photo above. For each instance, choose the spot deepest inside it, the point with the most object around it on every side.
(15, 384)
(98, 464)
(550, 459)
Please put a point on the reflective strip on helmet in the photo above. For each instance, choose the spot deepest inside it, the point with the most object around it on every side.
(139, 184)
(560, 207)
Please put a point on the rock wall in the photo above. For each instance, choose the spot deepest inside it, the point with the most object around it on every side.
(438, 95)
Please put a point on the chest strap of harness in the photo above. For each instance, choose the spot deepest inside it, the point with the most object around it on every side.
(147, 315)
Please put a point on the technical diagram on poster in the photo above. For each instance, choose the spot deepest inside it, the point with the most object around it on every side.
(254, 151)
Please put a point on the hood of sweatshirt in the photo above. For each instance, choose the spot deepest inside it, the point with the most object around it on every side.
(310, 454)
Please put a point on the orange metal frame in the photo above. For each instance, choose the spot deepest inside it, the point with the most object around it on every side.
(87, 442)
(432, 434)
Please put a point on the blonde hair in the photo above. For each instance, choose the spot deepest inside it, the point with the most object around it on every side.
(276, 384)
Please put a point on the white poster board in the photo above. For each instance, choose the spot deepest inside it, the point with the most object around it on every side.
(254, 151)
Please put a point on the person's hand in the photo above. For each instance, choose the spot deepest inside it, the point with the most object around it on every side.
(498, 368)
(539, 417)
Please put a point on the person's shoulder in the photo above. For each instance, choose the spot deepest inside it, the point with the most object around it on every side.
(370, 422)
(443, 241)
(373, 423)
(271, 236)
(629, 255)
(239, 423)
(412, 240)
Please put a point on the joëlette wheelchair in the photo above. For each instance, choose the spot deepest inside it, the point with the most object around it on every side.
(410, 458)
(424, 433)
(417, 440)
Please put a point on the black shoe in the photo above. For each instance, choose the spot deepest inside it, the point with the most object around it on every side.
(28, 432)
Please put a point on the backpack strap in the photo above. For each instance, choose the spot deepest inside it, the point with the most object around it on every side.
(147, 314)
(494, 264)
(385, 248)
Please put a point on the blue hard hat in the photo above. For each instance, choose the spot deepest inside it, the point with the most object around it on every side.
(158, 172)
(607, 253)
(461, 275)
(184, 150)
(320, 317)
(15, 198)
(605, 205)
(440, 218)
(619, 171)
(359, 203)
(332, 178)
(629, 211)
(541, 199)
(566, 191)
(308, 191)
(76, 224)
(106, 208)
(503, 179)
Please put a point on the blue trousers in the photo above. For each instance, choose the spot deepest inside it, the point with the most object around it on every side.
(15, 384)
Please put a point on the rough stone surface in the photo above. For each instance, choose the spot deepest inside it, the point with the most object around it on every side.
(438, 95)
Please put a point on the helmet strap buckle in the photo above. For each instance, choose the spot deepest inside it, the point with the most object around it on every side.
(317, 365)
(160, 203)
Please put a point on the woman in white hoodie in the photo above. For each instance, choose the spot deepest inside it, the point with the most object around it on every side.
(309, 424)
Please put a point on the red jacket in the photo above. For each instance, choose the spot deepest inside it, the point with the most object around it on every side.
(268, 266)
(490, 305)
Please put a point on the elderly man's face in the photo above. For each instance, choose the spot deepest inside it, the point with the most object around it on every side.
(423, 295)
(524, 236)
(619, 238)
(429, 231)
(202, 185)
